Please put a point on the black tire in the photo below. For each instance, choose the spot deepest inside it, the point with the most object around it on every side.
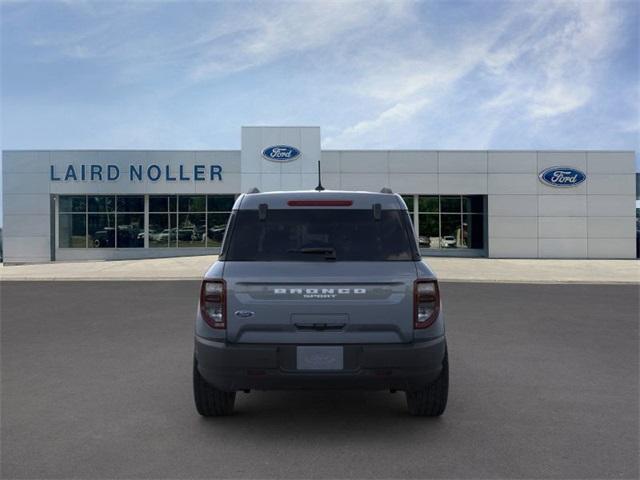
(432, 400)
(211, 402)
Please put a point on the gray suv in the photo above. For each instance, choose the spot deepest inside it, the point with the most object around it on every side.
(320, 290)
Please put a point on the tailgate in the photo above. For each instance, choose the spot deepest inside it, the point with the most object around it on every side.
(319, 302)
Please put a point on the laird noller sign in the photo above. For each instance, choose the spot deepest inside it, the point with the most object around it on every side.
(135, 173)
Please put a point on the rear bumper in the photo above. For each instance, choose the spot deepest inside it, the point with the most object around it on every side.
(232, 367)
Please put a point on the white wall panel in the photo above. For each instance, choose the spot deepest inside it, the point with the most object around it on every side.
(513, 162)
(364, 181)
(457, 183)
(513, 205)
(612, 248)
(512, 183)
(562, 205)
(514, 227)
(575, 159)
(462, 162)
(562, 247)
(411, 183)
(612, 205)
(513, 248)
(356, 161)
(26, 226)
(611, 162)
(413, 162)
(612, 227)
(599, 184)
(562, 227)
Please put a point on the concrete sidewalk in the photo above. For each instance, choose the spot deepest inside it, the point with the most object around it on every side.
(447, 269)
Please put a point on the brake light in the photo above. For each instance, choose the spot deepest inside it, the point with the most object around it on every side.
(213, 305)
(320, 203)
(426, 303)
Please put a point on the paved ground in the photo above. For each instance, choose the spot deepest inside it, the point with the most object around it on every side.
(449, 269)
(96, 384)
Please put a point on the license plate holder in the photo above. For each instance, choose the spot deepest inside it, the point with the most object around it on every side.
(320, 358)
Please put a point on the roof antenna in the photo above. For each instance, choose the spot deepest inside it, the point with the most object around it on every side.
(319, 188)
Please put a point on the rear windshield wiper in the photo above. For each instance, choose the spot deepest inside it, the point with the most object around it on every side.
(330, 252)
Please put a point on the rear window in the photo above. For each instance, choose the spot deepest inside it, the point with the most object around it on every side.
(320, 235)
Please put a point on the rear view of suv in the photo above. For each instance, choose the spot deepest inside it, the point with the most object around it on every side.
(320, 290)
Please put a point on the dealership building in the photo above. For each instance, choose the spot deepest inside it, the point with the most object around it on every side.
(69, 205)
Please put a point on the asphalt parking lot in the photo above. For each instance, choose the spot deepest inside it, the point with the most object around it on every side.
(96, 383)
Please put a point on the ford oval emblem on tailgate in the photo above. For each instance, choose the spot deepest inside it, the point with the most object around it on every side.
(244, 313)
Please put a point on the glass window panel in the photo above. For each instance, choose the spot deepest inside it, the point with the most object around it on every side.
(173, 203)
(130, 230)
(428, 204)
(131, 203)
(102, 203)
(73, 203)
(473, 204)
(192, 203)
(216, 226)
(72, 230)
(451, 231)
(158, 203)
(173, 226)
(220, 203)
(429, 231)
(191, 230)
(473, 231)
(408, 199)
(159, 230)
(450, 204)
(101, 230)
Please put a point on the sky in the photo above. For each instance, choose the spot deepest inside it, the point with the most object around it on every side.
(372, 74)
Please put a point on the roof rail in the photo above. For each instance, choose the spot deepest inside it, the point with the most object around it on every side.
(254, 190)
(386, 190)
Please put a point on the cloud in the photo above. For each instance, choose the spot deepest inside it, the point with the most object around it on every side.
(538, 60)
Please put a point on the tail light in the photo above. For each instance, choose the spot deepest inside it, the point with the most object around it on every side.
(426, 303)
(213, 304)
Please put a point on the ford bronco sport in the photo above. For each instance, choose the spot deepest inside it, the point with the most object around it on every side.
(319, 290)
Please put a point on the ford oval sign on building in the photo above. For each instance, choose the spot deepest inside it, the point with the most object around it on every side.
(562, 177)
(281, 153)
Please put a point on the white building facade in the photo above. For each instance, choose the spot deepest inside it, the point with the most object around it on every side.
(119, 204)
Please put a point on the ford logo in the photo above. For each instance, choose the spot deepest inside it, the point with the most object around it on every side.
(562, 177)
(244, 313)
(281, 153)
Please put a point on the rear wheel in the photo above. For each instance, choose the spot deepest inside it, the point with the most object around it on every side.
(211, 402)
(432, 400)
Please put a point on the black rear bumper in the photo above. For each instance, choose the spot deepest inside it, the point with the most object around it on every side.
(232, 367)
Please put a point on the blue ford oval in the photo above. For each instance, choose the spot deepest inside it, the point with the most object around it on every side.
(281, 153)
(562, 177)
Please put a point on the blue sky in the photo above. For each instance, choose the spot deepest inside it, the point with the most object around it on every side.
(402, 74)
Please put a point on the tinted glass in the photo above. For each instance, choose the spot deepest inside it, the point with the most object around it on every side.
(220, 203)
(132, 203)
(318, 235)
(102, 203)
(428, 204)
(408, 199)
(72, 230)
(450, 204)
(191, 203)
(473, 204)
(429, 236)
(73, 203)
(158, 230)
(101, 230)
(158, 203)
(130, 230)
(216, 226)
(191, 229)
(450, 231)
(473, 231)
